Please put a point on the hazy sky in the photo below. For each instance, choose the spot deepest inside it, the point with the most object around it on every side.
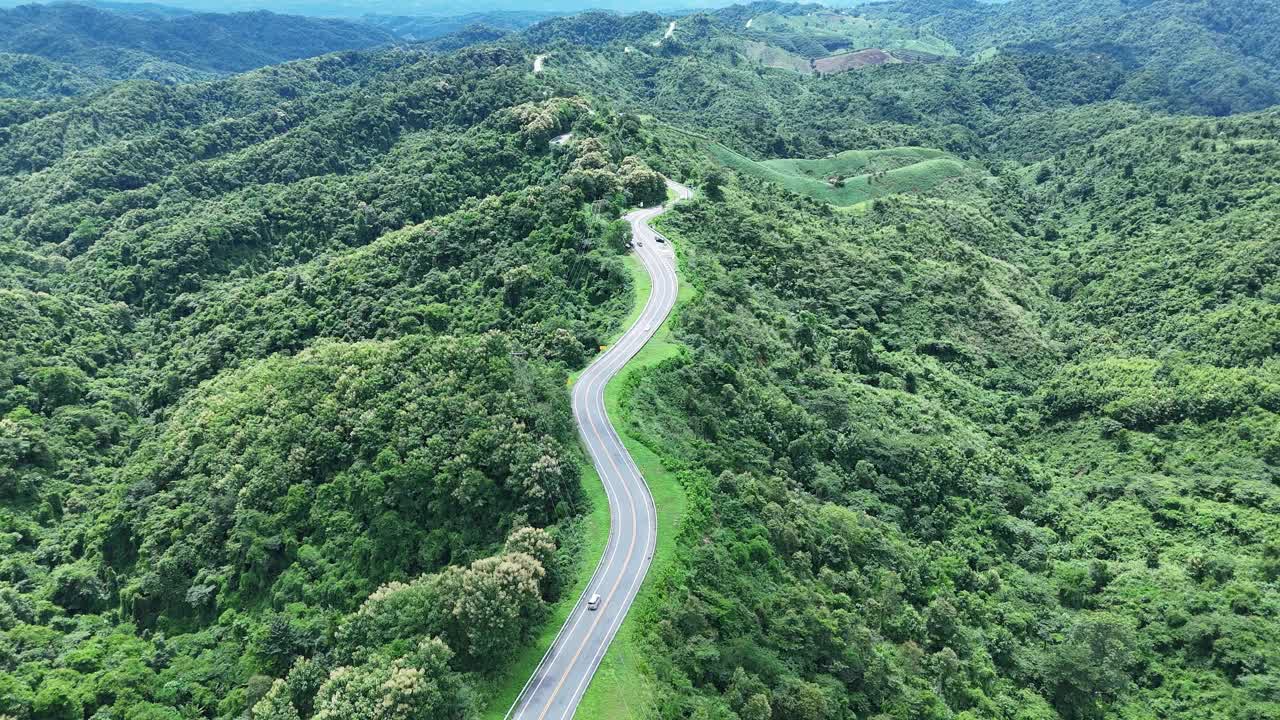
(354, 8)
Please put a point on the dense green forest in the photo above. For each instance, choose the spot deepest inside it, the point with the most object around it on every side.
(999, 446)
(977, 407)
(1202, 56)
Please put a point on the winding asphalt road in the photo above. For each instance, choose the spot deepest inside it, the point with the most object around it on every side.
(556, 687)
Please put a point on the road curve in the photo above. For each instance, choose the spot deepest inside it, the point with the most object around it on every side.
(556, 687)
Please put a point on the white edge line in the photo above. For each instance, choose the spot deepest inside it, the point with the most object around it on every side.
(651, 510)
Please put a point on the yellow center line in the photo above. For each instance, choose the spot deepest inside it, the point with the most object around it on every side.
(612, 590)
(648, 506)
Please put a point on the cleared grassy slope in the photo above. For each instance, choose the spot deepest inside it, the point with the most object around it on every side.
(850, 32)
(775, 57)
(867, 174)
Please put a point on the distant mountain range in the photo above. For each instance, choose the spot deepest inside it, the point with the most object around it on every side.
(438, 8)
(428, 27)
(77, 47)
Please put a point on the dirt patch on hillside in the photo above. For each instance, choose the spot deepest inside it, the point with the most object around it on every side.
(844, 62)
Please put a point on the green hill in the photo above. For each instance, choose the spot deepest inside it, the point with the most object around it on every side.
(30, 76)
(825, 32)
(1200, 56)
(416, 27)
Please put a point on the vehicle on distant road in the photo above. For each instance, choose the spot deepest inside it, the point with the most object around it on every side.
(594, 602)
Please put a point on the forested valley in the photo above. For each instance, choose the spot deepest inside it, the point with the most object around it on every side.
(975, 409)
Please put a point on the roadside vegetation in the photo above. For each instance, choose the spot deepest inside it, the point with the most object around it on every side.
(622, 686)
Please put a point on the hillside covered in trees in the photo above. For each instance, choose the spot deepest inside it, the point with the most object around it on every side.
(400, 252)
(1186, 55)
(975, 406)
(1002, 451)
